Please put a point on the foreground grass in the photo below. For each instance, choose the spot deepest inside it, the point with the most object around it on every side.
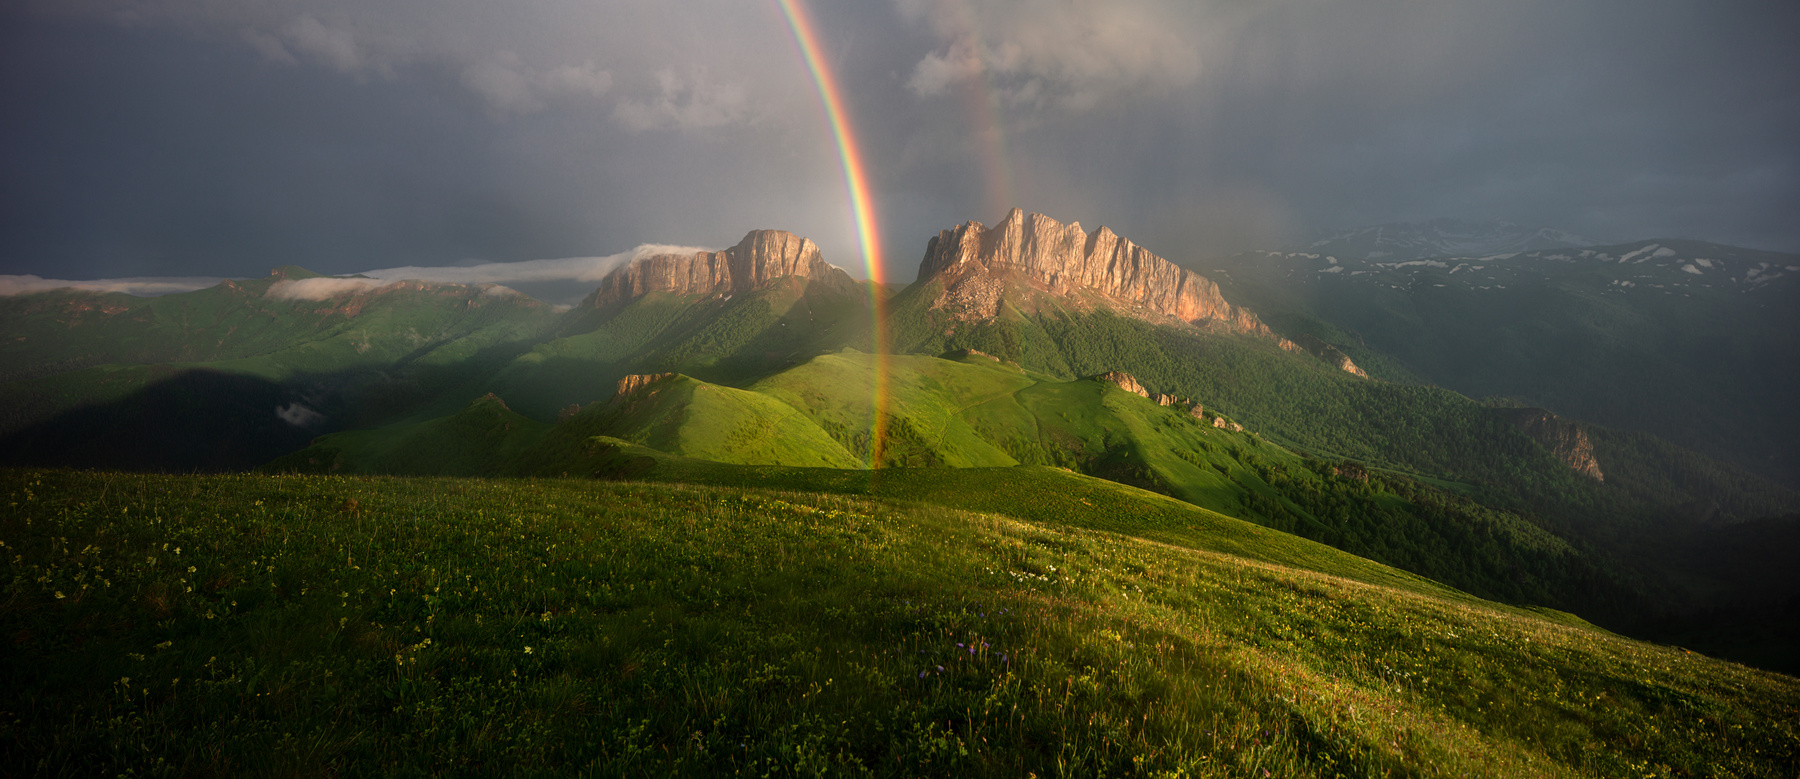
(306, 624)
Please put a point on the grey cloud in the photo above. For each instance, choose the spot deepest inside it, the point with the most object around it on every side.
(189, 137)
(518, 57)
(510, 86)
(332, 46)
(689, 102)
(1044, 53)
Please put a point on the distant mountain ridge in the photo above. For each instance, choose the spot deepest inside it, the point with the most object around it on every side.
(1688, 340)
(1402, 241)
(761, 257)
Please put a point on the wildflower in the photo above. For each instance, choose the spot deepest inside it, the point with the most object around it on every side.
(527, 650)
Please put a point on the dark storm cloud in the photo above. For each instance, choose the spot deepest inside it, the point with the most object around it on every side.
(189, 137)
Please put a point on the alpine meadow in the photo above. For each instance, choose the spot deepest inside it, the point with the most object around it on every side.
(1303, 465)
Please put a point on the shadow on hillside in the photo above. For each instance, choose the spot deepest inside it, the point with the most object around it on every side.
(198, 420)
(206, 420)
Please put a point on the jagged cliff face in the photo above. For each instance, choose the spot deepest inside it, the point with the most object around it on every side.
(977, 264)
(762, 257)
(1563, 438)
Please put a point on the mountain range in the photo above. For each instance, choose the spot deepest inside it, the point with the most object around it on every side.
(1578, 427)
(1404, 241)
(1683, 339)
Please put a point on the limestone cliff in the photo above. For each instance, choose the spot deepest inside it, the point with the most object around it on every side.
(976, 264)
(762, 257)
(1563, 438)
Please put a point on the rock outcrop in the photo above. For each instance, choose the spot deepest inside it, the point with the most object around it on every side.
(1328, 353)
(1563, 438)
(630, 385)
(1125, 382)
(976, 263)
(762, 257)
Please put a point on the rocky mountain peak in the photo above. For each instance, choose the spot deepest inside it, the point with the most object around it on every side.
(976, 264)
(761, 257)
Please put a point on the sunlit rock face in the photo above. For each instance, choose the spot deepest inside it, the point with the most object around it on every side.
(1127, 382)
(630, 385)
(762, 257)
(1561, 437)
(975, 263)
(1329, 353)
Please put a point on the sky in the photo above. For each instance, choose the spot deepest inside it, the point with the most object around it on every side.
(147, 139)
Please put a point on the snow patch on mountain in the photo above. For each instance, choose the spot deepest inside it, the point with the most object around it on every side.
(1443, 237)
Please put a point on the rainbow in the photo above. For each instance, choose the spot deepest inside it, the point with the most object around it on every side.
(856, 180)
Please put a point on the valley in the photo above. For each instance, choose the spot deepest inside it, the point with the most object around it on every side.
(1400, 513)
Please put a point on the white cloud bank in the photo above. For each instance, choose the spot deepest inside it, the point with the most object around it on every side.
(576, 269)
(141, 286)
(581, 274)
(321, 288)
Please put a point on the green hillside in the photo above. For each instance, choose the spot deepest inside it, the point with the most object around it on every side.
(678, 416)
(476, 441)
(729, 339)
(308, 625)
(166, 373)
(1675, 338)
(978, 416)
(691, 418)
(363, 356)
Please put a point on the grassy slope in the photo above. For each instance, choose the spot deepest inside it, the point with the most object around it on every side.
(692, 418)
(679, 416)
(248, 624)
(725, 339)
(925, 399)
(976, 412)
(87, 361)
(476, 441)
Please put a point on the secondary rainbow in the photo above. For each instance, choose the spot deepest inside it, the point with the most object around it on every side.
(856, 180)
